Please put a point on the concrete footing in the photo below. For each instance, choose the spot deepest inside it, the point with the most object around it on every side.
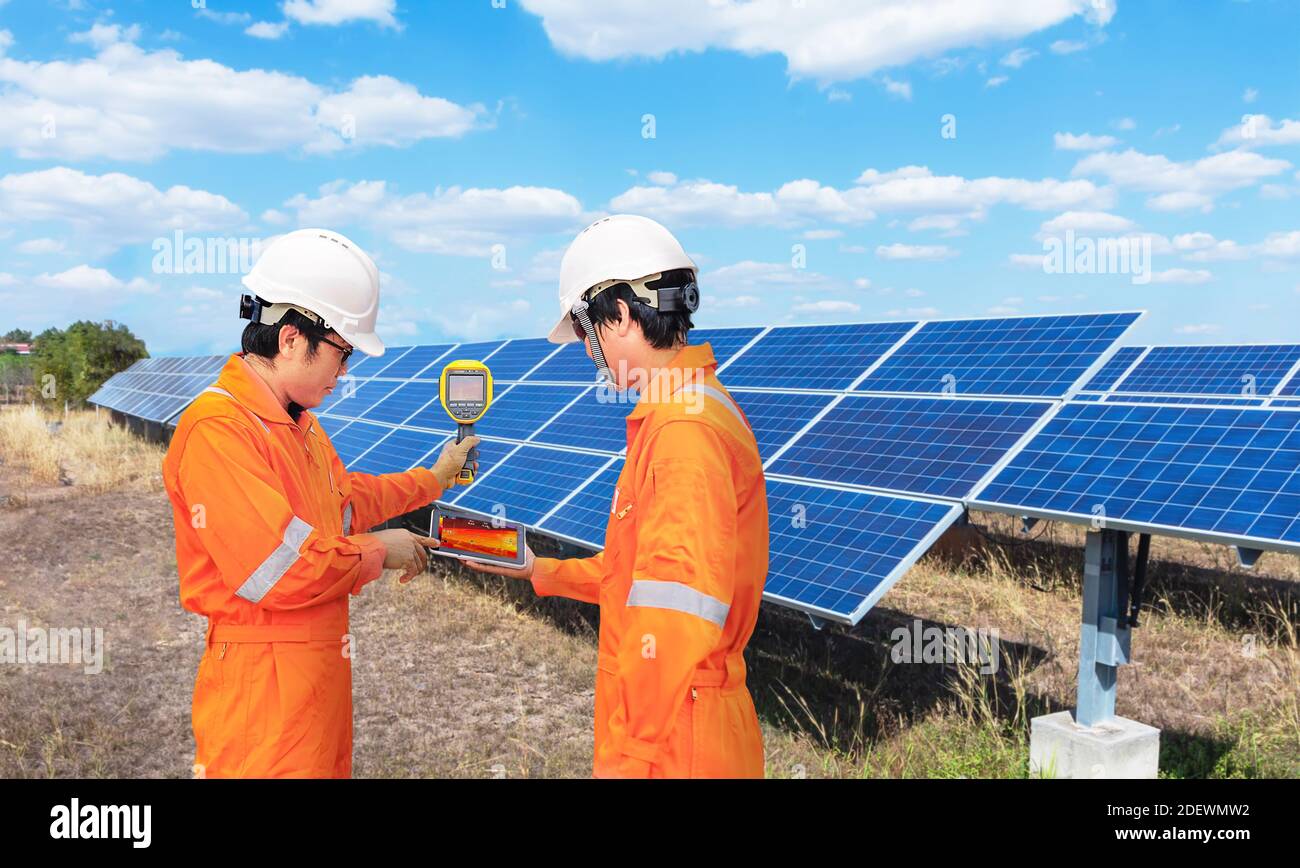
(1118, 748)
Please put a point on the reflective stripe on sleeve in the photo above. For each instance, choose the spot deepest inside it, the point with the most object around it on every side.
(347, 519)
(274, 567)
(720, 397)
(679, 598)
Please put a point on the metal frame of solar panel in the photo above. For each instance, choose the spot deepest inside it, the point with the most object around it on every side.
(553, 440)
(1228, 374)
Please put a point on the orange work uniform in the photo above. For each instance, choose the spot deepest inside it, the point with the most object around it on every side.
(679, 584)
(265, 517)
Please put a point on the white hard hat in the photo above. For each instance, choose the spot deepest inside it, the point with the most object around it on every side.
(328, 275)
(621, 247)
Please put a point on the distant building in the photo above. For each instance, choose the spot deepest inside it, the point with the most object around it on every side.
(20, 349)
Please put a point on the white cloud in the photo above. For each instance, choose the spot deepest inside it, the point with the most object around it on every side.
(1250, 95)
(753, 277)
(996, 81)
(103, 35)
(85, 279)
(453, 220)
(1198, 329)
(826, 41)
(333, 12)
(1083, 142)
(1180, 186)
(1018, 58)
(1282, 245)
(1068, 46)
(1204, 247)
(927, 252)
(267, 29)
(41, 246)
(113, 209)
(900, 89)
(129, 104)
(1257, 131)
(826, 305)
(822, 234)
(663, 179)
(1090, 222)
(1181, 275)
(228, 18)
(1124, 124)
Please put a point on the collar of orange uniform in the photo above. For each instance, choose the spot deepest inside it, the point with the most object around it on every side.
(246, 387)
(690, 357)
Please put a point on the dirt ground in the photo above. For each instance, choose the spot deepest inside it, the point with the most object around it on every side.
(458, 675)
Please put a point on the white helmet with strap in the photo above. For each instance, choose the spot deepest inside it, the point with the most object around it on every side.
(624, 248)
(323, 275)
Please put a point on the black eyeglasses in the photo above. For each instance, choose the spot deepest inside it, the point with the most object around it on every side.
(344, 354)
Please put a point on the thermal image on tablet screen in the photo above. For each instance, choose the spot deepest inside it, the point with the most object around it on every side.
(479, 536)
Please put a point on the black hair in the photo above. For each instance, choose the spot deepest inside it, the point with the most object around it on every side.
(263, 341)
(662, 330)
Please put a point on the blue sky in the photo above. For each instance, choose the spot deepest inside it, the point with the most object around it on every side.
(802, 151)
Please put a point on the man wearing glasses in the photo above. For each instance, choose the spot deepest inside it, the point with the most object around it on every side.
(270, 527)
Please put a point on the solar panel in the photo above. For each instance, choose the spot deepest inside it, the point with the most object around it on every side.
(517, 358)
(1292, 386)
(404, 402)
(391, 356)
(1114, 368)
(158, 391)
(399, 451)
(569, 365)
(1025, 356)
(1216, 400)
(332, 425)
(1280, 402)
(591, 423)
(1240, 371)
(529, 483)
(584, 516)
(835, 553)
(416, 362)
(933, 446)
(725, 343)
(813, 357)
(1232, 474)
(352, 400)
(523, 409)
(778, 416)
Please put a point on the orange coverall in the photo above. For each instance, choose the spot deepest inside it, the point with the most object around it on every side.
(679, 585)
(265, 546)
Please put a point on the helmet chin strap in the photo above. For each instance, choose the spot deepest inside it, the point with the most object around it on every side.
(603, 374)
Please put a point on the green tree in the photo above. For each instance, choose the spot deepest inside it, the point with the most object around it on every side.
(70, 365)
(16, 336)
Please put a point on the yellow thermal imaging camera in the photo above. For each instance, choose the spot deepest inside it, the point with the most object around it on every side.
(465, 388)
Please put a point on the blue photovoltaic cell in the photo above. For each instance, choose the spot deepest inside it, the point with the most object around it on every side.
(778, 416)
(332, 425)
(813, 357)
(934, 446)
(398, 452)
(1026, 356)
(412, 363)
(839, 551)
(569, 365)
(352, 402)
(477, 352)
(1114, 369)
(1233, 371)
(1226, 471)
(523, 409)
(403, 403)
(529, 483)
(391, 355)
(355, 439)
(1086, 396)
(1279, 402)
(725, 342)
(362, 365)
(584, 517)
(1292, 386)
(518, 357)
(591, 423)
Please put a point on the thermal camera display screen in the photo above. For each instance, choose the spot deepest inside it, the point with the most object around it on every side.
(466, 388)
(479, 536)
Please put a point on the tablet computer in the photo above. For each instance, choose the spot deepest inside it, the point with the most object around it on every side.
(471, 537)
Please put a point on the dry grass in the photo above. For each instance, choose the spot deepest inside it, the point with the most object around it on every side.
(465, 676)
(84, 449)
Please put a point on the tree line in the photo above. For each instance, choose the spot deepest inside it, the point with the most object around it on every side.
(67, 365)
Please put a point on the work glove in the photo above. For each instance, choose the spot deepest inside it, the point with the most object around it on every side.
(452, 460)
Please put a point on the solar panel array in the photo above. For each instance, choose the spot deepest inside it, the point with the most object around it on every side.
(871, 452)
(868, 448)
(158, 389)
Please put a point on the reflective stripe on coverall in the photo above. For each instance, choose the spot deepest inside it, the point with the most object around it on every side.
(679, 585)
(264, 513)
